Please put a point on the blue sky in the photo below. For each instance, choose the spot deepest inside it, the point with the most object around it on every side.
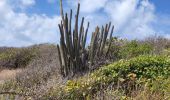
(162, 6)
(28, 22)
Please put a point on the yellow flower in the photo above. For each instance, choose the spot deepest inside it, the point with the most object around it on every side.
(123, 98)
(132, 76)
(67, 89)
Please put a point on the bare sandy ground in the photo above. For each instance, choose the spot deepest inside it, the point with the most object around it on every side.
(7, 74)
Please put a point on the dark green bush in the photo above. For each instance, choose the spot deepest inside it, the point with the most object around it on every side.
(24, 57)
(17, 57)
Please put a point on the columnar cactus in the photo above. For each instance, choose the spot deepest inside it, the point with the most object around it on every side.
(73, 55)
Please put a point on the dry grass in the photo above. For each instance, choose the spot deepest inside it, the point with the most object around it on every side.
(39, 75)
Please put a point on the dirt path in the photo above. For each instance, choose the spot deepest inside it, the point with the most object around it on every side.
(7, 74)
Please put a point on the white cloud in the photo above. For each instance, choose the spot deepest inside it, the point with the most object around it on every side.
(28, 2)
(19, 29)
(132, 18)
(120, 11)
(90, 6)
(139, 24)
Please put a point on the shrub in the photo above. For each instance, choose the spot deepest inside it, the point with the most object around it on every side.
(115, 48)
(6, 57)
(39, 75)
(158, 43)
(137, 70)
(166, 52)
(122, 48)
(17, 57)
(134, 48)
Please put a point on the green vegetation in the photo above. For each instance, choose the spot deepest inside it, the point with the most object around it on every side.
(5, 55)
(134, 48)
(143, 76)
(109, 68)
(123, 49)
(17, 58)
(126, 73)
(40, 73)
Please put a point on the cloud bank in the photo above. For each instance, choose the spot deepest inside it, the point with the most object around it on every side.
(133, 19)
(21, 29)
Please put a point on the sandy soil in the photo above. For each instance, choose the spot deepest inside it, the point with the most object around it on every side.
(7, 74)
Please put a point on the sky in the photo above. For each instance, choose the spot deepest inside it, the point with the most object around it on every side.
(28, 22)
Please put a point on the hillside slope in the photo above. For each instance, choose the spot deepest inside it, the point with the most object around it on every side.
(126, 77)
(34, 71)
(38, 65)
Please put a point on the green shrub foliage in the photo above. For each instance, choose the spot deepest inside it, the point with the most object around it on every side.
(134, 48)
(139, 69)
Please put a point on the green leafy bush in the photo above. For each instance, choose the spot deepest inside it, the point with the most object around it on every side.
(123, 49)
(166, 52)
(139, 69)
(134, 48)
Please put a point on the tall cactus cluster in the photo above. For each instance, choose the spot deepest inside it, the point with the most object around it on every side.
(73, 55)
(98, 50)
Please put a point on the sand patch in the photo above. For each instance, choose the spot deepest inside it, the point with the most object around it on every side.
(7, 74)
